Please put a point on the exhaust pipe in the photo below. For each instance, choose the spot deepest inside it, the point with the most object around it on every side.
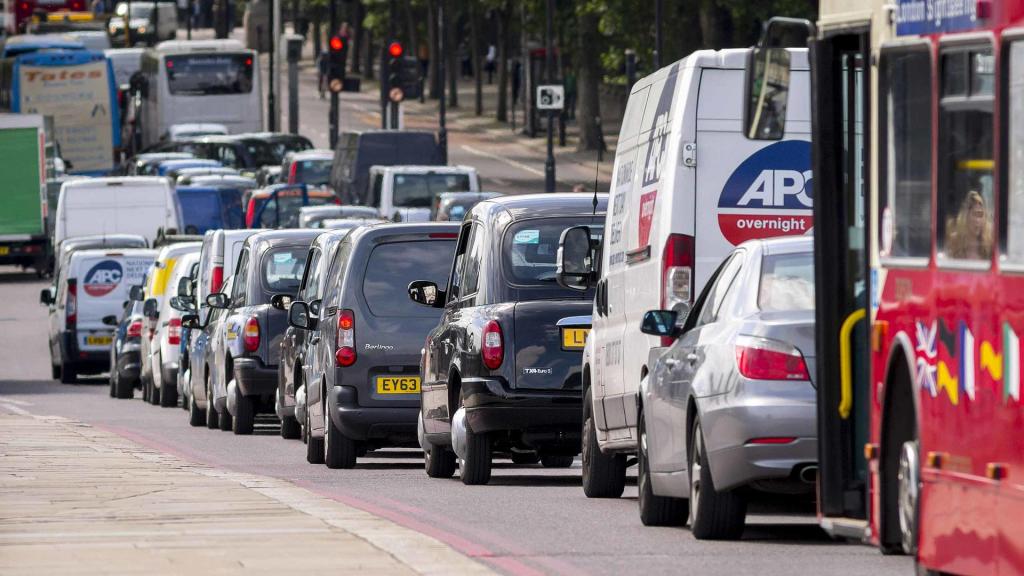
(809, 474)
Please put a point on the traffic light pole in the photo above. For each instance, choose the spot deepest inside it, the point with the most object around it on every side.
(442, 133)
(549, 162)
(332, 115)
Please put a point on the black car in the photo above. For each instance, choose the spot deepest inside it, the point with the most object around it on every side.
(126, 350)
(501, 372)
(293, 344)
(361, 374)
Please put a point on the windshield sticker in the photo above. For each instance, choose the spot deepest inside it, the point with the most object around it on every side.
(527, 237)
(283, 257)
(103, 278)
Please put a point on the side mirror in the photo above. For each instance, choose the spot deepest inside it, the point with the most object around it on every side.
(136, 294)
(766, 88)
(185, 287)
(217, 300)
(281, 301)
(660, 323)
(426, 293)
(46, 296)
(299, 316)
(110, 320)
(151, 309)
(180, 304)
(191, 321)
(574, 261)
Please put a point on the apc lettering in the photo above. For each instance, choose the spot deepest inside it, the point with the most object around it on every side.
(33, 75)
(781, 223)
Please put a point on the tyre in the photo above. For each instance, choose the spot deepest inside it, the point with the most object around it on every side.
(556, 461)
(290, 429)
(196, 416)
(245, 414)
(908, 496)
(655, 510)
(523, 458)
(112, 382)
(168, 395)
(68, 375)
(212, 420)
(475, 468)
(604, 475)
(714, 515)
(439, 462)
(339, 450)
(314, 445)
(54, 371)
(124, 390)
(224, 420)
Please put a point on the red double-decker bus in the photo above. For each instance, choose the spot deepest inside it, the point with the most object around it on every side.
(18, 13)
(918, 139)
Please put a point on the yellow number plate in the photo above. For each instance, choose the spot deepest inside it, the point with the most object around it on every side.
(398, 384)
(5, 250)
(574, 338)
(98, 340)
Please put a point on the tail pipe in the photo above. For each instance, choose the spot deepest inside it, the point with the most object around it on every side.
(808, 474)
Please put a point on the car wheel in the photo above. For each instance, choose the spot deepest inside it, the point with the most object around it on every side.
(475, 468)
(212, 420)
(54, 371)
(655, 510)
(604, 475)
(224, 420)
(339, 450)
(439, 462)
(245, 414)
(523, 458)
(112, 381)
(908, 498)
(290, 429)
(168, 395)
(714, 515)
(314, 445)
(68, 375)
(124, 390)
(556, 461)
(196, 416)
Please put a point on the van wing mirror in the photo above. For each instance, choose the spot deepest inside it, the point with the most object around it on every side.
(767, 77)
(299, 316)
(191, 321)
(151, 308)
(136, 293)
(217, 300)
(185, 287)
(575, 259)
(660, 323)
(46, 296)
(281, 301)
(426, 293)
(181, 304)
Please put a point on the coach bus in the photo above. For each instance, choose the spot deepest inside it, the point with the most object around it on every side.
(196, 81)
(918, 136)
(76, 88)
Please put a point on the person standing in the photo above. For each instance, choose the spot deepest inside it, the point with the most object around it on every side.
(492, 55)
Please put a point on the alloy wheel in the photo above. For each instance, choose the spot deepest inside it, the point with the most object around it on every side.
(908, 485)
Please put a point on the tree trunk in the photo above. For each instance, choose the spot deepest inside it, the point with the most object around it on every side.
(357, 53)
(478, 72)
(433, 70)
(368, 62)
(318, 45)
(589, 81)
(410, 30)
(715, 24)
(452, 65)
(504, 36)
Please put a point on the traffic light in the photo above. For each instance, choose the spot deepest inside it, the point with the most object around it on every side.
(403, 78)
(338, 50)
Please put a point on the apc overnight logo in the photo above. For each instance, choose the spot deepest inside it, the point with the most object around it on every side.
(769, 194)
(103, 278)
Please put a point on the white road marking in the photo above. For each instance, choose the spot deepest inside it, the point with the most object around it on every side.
(6, 405)
(508, 161)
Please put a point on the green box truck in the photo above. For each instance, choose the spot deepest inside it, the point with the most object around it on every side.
(23, 237)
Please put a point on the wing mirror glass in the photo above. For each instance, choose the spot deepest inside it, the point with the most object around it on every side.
(768, 77)
(190, 321)
(217, 300)
(136, 293)
(281, 301)
(575, 259)
(300, 317)
(426, 293)
(660, 323)
(185, 288)
(46, 296)
(110, 320)
(151, 308)
(180, 304)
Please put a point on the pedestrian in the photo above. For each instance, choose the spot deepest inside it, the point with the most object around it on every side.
(98, 7)
(321, 66)
(423, 55)
(492, 55)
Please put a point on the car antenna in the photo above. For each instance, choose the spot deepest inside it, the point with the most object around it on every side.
(597, 171)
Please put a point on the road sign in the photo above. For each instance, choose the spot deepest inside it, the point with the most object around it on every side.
(550, 97)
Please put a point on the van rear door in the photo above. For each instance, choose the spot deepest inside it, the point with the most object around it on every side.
(103, 283)
(748, 189)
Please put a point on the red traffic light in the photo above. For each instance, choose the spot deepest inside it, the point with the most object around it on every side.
(337, 43)
(395, 49)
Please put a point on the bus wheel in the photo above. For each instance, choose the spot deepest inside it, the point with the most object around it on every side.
(908, 497)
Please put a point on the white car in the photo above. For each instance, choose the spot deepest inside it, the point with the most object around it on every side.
(406, 193)
(687, 187)
(122, 205)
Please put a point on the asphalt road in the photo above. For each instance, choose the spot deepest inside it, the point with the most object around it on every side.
(529, 520)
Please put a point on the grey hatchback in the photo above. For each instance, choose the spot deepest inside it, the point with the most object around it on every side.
(362, 364)
(730, 407)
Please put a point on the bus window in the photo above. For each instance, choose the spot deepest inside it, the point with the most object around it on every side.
(204, 74)
(905, 152)
(1014, 218)
(965, 198)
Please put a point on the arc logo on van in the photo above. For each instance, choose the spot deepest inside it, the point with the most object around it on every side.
(769, 194)
(103, 278)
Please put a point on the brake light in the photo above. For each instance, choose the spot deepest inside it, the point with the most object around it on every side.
(677, 261)
(492, 347)
(77, 5)
(174, 332)
(71, 307)
(251, 335)
(292, 170)
(766, 359)
(216, 279)
(772, 440)
(444, 235)
(135, 329)
(346, 353)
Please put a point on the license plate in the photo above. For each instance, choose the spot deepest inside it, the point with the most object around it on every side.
(5, 250)
(98, 340)
(398, 384)
(574, 338)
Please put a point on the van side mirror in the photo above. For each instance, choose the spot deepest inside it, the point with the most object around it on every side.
(191, 321)
(185, 287)
(136, 293)
(575, 259)
(151, 309)
(660, 323)
(46, 296)
(766, 88)
(299, 316)
(426, 293)
(217, 300)
(181, 304)
(110, 320)
(281, 301)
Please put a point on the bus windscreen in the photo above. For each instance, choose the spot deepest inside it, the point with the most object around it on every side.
(208, 74)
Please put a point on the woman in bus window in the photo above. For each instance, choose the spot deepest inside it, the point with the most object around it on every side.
(969, 234)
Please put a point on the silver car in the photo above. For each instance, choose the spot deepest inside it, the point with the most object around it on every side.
(730, 407)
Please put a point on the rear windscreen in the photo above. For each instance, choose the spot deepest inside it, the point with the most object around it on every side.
(418, 190)
(787, 282)
(530, 248)
(282, 269)
(313, 172)
(392, 266)
(209, 74)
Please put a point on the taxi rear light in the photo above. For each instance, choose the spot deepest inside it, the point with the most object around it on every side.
(767, 359)
(250, 334)
(174, 331)
(345, 355)
(216, 279)
(772, 440)
(135, 329)
(492, 347)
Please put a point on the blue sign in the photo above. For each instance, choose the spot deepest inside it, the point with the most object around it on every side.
(915, 17)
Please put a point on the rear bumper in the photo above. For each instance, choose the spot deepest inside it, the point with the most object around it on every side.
(88, 361)
(395, 425)
(491, 406)
(253, 378)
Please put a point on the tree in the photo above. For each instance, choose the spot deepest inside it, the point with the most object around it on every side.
(588, 65)
(503, 16)
(474, 34)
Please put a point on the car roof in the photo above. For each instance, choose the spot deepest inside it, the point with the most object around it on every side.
(173, 250)
(425, 169)
(284, 236)
(783, 244)
(109, 240)
(104, 252)
(383, 229)
(547, 205)
(312, 154)
(116, 181)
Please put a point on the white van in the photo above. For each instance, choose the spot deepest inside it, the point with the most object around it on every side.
(406, 193)
(91, 286)
(687, 187)
(122, 205)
